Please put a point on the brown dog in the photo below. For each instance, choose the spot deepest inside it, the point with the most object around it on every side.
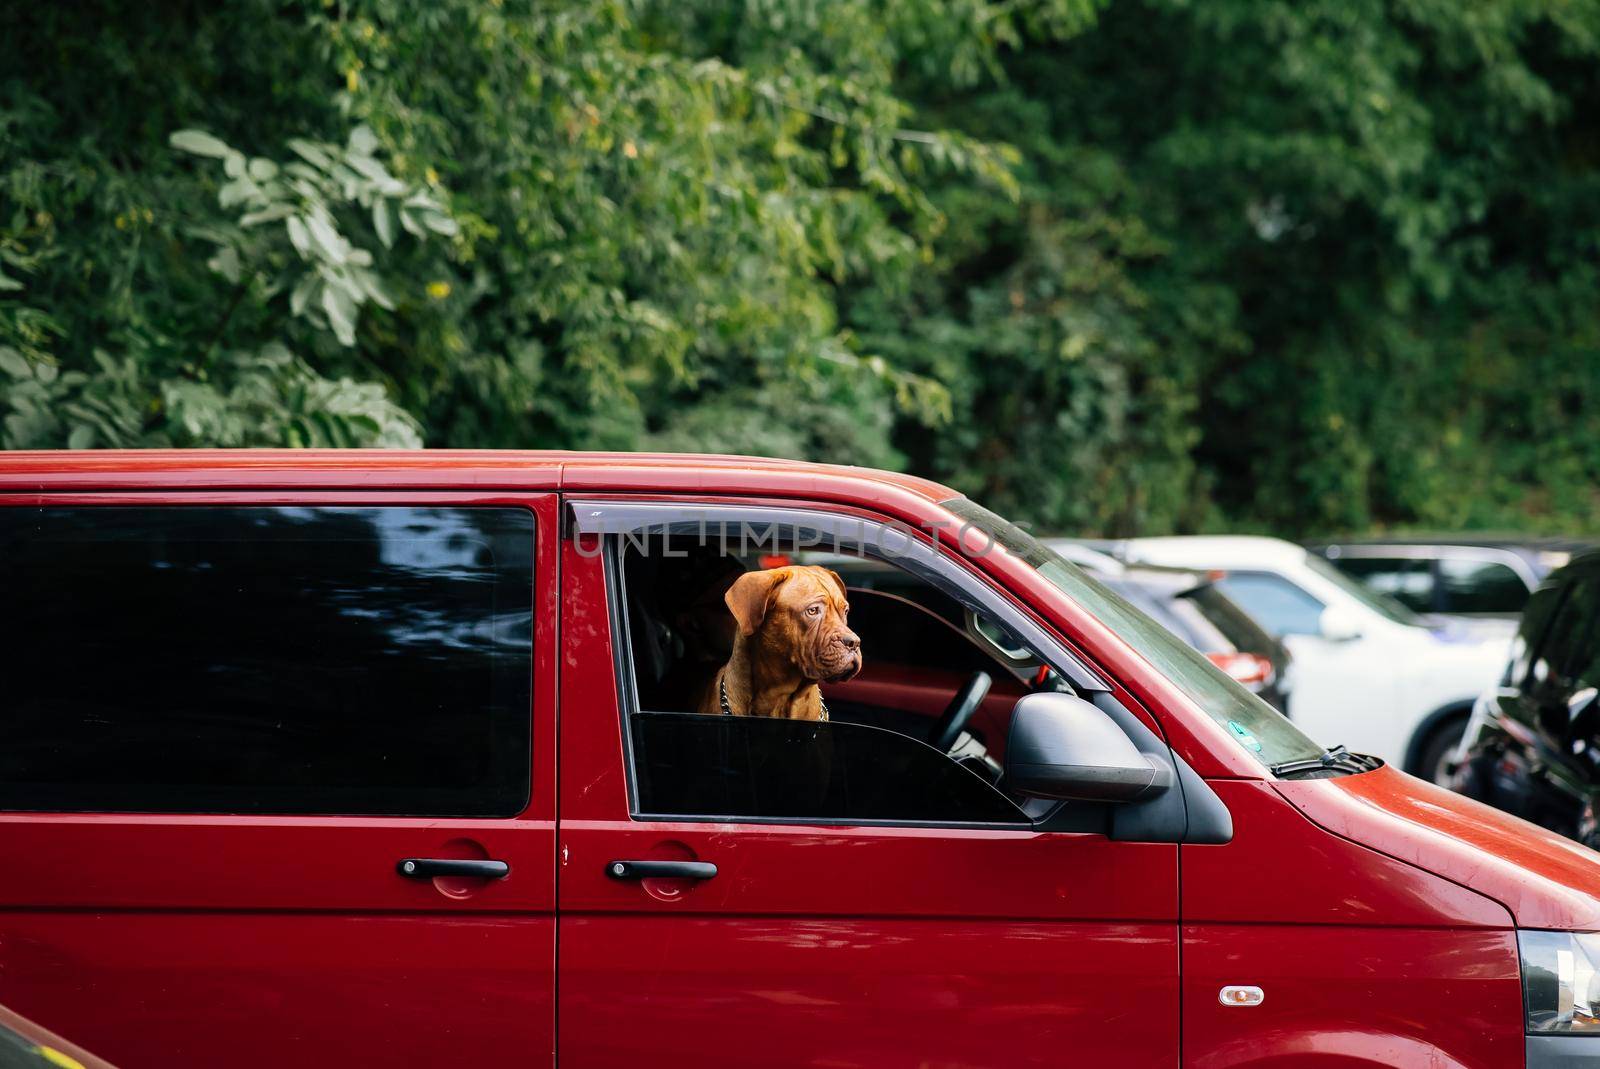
(792, 635)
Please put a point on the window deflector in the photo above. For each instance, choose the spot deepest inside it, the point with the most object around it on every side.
(811, 529)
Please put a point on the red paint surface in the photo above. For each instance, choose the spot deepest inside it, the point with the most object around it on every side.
(1343, 998)
(1543, 879)
(1374, 910)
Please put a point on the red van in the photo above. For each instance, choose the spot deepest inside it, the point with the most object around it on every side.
(331, 759)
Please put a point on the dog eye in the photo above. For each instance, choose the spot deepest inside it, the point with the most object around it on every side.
(814, 610)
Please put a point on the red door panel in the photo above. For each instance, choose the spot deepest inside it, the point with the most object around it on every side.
(192, 988)
(732, 991)
(828, 946)
(174, 941)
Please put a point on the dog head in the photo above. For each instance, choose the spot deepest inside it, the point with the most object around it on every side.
(799, 612)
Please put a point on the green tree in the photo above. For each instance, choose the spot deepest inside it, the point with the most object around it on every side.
(1114, 268)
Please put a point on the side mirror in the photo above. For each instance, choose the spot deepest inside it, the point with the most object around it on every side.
(1061, 746)
(1339, 625)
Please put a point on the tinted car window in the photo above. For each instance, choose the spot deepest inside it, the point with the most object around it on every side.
(1282, 607)
(266, 660)
(1480, 586)
(1409, 580)
(688, 764)
(1558, 650)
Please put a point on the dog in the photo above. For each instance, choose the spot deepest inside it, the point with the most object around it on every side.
(793, 633)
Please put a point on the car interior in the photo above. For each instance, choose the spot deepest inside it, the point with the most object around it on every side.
(933, 671)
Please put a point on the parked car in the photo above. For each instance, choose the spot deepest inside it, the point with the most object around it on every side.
(1481, 579)
(1368, 672)
(1533, 747)
(388, 758)
(1191, 606)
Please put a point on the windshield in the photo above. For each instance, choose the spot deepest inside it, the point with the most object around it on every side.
(1259, 729)
(1380, 603)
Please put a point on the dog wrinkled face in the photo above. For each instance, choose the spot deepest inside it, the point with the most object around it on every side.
(802, 610)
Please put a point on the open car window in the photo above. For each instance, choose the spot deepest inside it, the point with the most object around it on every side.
(873, 759)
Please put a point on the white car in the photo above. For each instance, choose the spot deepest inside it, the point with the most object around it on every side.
(1368, 672)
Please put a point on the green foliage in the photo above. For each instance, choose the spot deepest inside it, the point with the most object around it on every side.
(1290, 265)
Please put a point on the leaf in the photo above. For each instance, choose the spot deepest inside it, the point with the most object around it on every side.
(363, 140)
(327, 239)
(440, 224)
(200, 143)
(301, 296)
(236, 192)
(82, 437)
(226, 263)
(341, 314)
(312, 153)
(298, 236)
(233, 165)
(410, 223)
(14, 364)
(8, 283)
(373, 288)
(372, 169)
(383, 222)
(266, 215)
(263, 170)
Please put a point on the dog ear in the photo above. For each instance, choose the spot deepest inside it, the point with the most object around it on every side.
(844, 595)
(747, 598)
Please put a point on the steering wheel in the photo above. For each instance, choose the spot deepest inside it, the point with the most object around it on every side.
(955, 716)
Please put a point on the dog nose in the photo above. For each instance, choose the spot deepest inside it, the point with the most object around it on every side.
(850, 641)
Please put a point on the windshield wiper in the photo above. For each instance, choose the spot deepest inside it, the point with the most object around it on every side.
(1335, 759)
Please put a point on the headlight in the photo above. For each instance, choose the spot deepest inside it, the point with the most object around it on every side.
(1561, 981)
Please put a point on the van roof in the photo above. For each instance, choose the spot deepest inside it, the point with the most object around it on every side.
(432, 468)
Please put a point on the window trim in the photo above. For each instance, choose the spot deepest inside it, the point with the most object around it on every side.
(1435, 553)
(611, 520)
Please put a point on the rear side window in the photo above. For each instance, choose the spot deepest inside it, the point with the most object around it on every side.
(266, 660)
(1480, 586)
(1280, 606)
(1409, 580)
(1558, 652)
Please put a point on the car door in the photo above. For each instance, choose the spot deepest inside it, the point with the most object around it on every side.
(955, 937)
(266, 796)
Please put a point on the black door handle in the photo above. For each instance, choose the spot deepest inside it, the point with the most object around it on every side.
(640, 870)
(425, 868)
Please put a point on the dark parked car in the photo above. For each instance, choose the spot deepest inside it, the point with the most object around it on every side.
(1192, 607)
(1533, 745)
(1466, 577)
